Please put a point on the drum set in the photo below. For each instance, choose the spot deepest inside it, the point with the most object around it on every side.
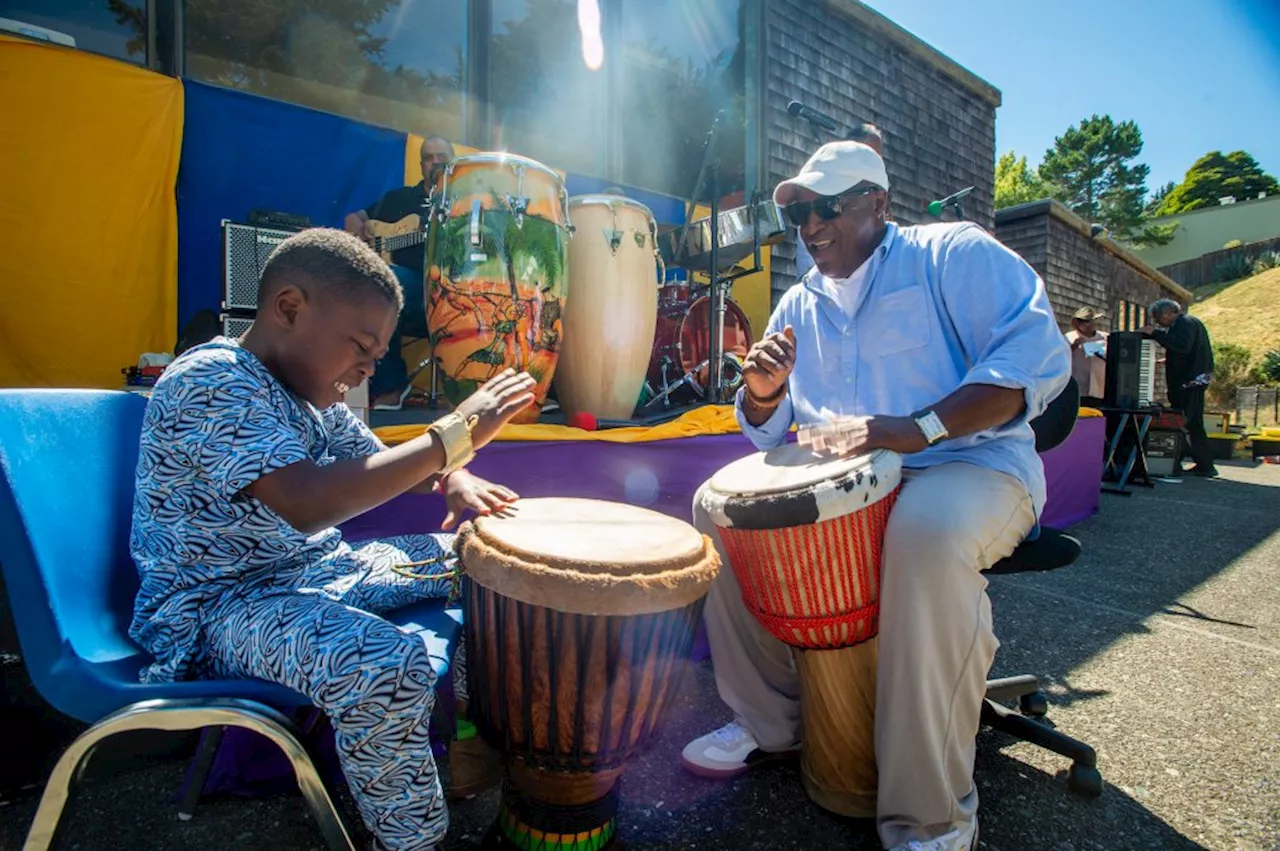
(574, 291)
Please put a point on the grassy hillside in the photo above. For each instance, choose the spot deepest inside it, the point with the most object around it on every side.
(1246, 312)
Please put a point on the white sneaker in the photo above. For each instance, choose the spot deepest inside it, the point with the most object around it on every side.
(727, 752)
(964, 838)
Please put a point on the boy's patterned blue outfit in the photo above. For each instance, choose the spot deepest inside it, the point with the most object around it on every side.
(230, 590)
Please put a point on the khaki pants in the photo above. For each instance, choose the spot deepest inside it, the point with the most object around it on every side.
(936, 645)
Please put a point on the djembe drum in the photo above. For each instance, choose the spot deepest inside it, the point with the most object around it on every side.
(579, 615)
(803, 535)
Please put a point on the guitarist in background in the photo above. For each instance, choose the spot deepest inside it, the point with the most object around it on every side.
(390, 382)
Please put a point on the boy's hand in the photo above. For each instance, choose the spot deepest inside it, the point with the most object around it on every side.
(464, 492)
(500, 399)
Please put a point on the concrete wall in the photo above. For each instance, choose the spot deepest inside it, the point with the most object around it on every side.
(842, 58)
(1203, 231)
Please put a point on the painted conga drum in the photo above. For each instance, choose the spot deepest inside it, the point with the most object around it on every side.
(497, 274)
(609, 320)
(803, 535)
(579, 616)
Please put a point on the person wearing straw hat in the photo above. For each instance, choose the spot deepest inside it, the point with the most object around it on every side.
(1088, 356)
(939, 343)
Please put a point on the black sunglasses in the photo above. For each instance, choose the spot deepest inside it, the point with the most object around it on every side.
(827, 207)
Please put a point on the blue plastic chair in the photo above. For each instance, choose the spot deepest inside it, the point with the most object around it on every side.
(67, 460)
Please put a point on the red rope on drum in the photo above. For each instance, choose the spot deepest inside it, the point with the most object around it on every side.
(782, 626)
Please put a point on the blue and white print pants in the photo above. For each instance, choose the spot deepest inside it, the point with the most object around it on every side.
(317, 631)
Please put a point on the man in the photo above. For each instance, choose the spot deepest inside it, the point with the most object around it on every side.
(1088, 356)
(867, 134)
(390, 382)
(941, 344)
(1188, 372)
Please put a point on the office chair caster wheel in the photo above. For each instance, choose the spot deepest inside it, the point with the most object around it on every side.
(1034, 705)
(1085, 780)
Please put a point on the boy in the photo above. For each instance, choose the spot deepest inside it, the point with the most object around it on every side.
(249, 459)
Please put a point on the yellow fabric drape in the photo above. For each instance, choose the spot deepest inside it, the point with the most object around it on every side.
(710, 419)
(707, 420)
(89, 151)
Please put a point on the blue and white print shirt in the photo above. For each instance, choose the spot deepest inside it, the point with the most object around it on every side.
(217, 421)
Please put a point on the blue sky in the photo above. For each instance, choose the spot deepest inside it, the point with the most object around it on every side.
(1196, 75)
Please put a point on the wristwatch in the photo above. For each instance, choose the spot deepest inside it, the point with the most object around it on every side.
(931, 426)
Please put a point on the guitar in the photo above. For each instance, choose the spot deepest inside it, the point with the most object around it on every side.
(389, 237)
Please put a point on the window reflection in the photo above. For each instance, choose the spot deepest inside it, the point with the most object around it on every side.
(115, 28)
(546, 103)
(397, 63)
(682, 62)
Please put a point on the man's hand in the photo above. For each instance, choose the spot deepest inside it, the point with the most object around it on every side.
(495, 403)
(769, 363)
(1147, 329)
(464, 492)
(859, 435)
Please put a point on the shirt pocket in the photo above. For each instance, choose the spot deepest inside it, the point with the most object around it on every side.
(903, 321)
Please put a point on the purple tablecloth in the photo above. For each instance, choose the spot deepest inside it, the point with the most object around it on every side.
(665, 474)
(662, 475)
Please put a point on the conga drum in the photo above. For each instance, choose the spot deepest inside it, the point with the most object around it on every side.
(496, 274)
(803, 535)
(579, 616)
(610, 318)
(684, 338)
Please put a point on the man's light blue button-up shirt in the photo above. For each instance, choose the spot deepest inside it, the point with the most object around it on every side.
(943, 305)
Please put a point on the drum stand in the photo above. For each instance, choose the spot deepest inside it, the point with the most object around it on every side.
(720, 284)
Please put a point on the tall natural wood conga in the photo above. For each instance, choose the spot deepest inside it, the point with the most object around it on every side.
(579, 615)
(610, 317)
(803, 535)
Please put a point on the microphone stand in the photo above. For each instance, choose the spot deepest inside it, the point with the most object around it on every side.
(709, 171)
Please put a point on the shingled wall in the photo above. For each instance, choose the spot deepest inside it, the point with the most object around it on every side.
(1078, 269)
(848, 61)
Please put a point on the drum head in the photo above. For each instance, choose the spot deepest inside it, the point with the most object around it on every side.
(792, 485)
(589, 556)
(590, 534)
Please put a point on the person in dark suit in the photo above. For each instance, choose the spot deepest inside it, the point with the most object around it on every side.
(1188, 372)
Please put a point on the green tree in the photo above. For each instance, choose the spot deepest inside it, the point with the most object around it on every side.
(1157, 197)
(1093, 167)
(1217, 175)
(1017, 183)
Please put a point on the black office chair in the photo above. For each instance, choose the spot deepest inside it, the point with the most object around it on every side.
(1050, 551)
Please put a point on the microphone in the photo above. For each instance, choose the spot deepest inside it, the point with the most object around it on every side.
(814, 117)
(936, 207)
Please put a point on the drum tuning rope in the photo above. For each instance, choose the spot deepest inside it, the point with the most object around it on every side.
(454, 574)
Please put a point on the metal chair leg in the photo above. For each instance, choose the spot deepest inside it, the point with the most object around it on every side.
(183, 715)
(210, 739)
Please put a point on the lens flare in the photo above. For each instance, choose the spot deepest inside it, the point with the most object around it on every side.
(589, 25)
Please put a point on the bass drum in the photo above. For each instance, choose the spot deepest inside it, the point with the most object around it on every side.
(683, 341)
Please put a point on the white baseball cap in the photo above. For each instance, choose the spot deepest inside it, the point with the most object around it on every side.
(836, 167)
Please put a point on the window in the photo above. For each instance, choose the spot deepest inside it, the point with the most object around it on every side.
(682, 62)
(115, 28)
(1129, 316)
(396, 63)
(546, 103)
